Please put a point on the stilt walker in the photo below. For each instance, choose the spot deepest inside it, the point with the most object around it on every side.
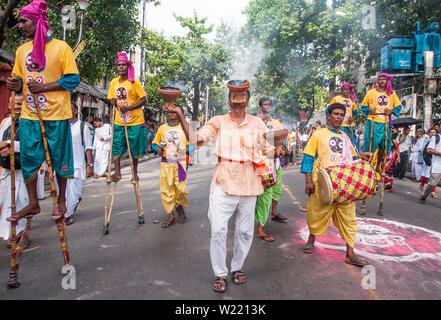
(107, 211)
(379, 104)
(46, 72)
(129, 132)
(56, 215)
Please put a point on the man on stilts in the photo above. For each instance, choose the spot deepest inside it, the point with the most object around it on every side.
(128, 132)
(129, 96)
(46, 72)
(50, 81)
(379, 104)
(348, 100)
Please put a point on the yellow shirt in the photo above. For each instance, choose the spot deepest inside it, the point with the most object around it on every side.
(273, 124)
(328, 146)
(350, 108)
(243, 145)
(127, 93)
(54, 105)
(176, 141)
(380, 101)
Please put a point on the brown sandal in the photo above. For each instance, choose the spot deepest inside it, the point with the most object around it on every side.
(236, 275)
(168, 223)
(222, 281)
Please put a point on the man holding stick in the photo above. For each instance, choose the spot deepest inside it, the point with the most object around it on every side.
(46, 73)
(127, 93)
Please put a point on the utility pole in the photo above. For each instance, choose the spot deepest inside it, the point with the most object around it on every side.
(429, 87)
(206, 103)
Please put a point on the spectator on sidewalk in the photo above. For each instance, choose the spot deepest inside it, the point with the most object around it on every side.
(434, 148)
(425, 174)
(417, 157)
(404, 142)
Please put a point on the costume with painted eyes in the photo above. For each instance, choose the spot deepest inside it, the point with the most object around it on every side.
(379, 101)
(172, 177)
(55, 105)
(127, 93)
(351, 111)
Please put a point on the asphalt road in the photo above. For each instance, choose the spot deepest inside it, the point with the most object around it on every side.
(148, 262)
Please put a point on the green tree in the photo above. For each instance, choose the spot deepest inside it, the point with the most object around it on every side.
(205, 63)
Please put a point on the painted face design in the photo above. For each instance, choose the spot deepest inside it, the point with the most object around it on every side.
(383, 100)
(336, 145)
(172, 138)
(41, 97)
(32, 66)
(121, 93)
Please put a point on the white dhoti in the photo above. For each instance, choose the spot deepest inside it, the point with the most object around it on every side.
(21, 201)
(222, 207)
(101, 161)
(74, 189)
(40, 185)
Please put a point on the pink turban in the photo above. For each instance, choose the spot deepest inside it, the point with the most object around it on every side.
(389, 78)
(131, 71)
(351, 87)
(36, 11)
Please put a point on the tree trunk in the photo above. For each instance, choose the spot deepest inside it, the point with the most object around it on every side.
(196, 100)
(4, 15)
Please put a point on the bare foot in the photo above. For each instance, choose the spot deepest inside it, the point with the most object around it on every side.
(181, 214)
(59, 212)
(116, 177)
(29, 210)
(265, 237)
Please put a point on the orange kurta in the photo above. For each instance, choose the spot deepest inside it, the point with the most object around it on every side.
(238, 146)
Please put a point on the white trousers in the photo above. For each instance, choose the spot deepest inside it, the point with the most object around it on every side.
(222, 207)
(74, 190)
(40, 184)
(21, 201)
(101, 162)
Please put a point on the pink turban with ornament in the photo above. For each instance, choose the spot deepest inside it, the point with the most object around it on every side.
(347, 85)
(36, 11)
(389, 78)
(122, 57)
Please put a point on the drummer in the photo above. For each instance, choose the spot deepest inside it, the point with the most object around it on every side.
(328, 147)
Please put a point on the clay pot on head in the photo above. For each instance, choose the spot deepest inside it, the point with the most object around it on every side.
(169, 94)
(238, 88)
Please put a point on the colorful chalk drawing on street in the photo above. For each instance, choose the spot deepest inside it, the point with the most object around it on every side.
(385, 240)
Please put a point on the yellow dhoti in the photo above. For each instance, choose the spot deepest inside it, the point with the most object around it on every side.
(172, 190)
(343, 216)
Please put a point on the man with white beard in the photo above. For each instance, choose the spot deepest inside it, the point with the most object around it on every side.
(82, 154)
(101, 145)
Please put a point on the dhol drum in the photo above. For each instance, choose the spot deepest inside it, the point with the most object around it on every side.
(269, 174)
(348, 182)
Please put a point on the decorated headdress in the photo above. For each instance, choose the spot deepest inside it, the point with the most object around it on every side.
(36, 11)
(239, 89)
(131, 71)
(347, 85)
(389, 78)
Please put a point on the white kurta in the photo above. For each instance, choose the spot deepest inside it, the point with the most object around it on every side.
(21, 193)
(102, 149)
(74, 187)
(417, 168)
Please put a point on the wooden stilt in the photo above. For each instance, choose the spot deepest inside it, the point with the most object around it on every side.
(134, 181)
(56, 215)
(109, 180)
(383, 169)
